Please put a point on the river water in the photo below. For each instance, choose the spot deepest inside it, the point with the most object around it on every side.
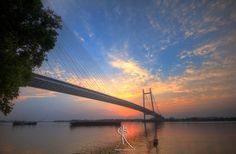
(172, 137)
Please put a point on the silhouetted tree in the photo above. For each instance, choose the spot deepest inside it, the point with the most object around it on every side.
(27, 33)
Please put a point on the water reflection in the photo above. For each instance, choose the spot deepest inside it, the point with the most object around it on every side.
(167, 138)
(153, 143)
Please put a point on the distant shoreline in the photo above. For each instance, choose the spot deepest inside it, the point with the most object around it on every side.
(191, 119)
(200, 119)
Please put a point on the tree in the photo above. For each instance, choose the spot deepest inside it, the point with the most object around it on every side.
(27, 33)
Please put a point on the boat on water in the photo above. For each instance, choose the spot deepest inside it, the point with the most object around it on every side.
(94, 123)
(23, 123)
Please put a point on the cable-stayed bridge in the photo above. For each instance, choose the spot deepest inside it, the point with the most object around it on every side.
(43, 82)
(71, 70)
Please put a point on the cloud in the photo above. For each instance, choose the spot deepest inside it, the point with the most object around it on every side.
(32, 93)
(188, 34)
(81, 39)
(129, 74)
(130, 77)
(213, 81)
(131, 68)
(200, 51)
(154, 23)
(193, 19)
(233, 16)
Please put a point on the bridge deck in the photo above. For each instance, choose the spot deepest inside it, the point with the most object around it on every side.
(39, 81)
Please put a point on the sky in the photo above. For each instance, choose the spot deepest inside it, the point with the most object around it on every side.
(184, 50)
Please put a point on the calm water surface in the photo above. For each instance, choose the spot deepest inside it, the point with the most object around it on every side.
(173, 138)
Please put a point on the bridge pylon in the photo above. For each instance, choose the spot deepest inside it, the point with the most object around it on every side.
(146, 94)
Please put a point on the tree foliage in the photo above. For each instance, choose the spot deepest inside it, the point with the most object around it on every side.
(27, 33)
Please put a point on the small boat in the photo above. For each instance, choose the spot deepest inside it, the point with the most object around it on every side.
(22, 123)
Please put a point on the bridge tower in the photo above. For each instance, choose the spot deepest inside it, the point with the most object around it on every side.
(146, 94)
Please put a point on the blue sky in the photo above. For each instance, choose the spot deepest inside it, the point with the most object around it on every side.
(184, 50)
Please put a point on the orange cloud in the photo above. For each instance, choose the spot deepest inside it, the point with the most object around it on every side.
(30, 93)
